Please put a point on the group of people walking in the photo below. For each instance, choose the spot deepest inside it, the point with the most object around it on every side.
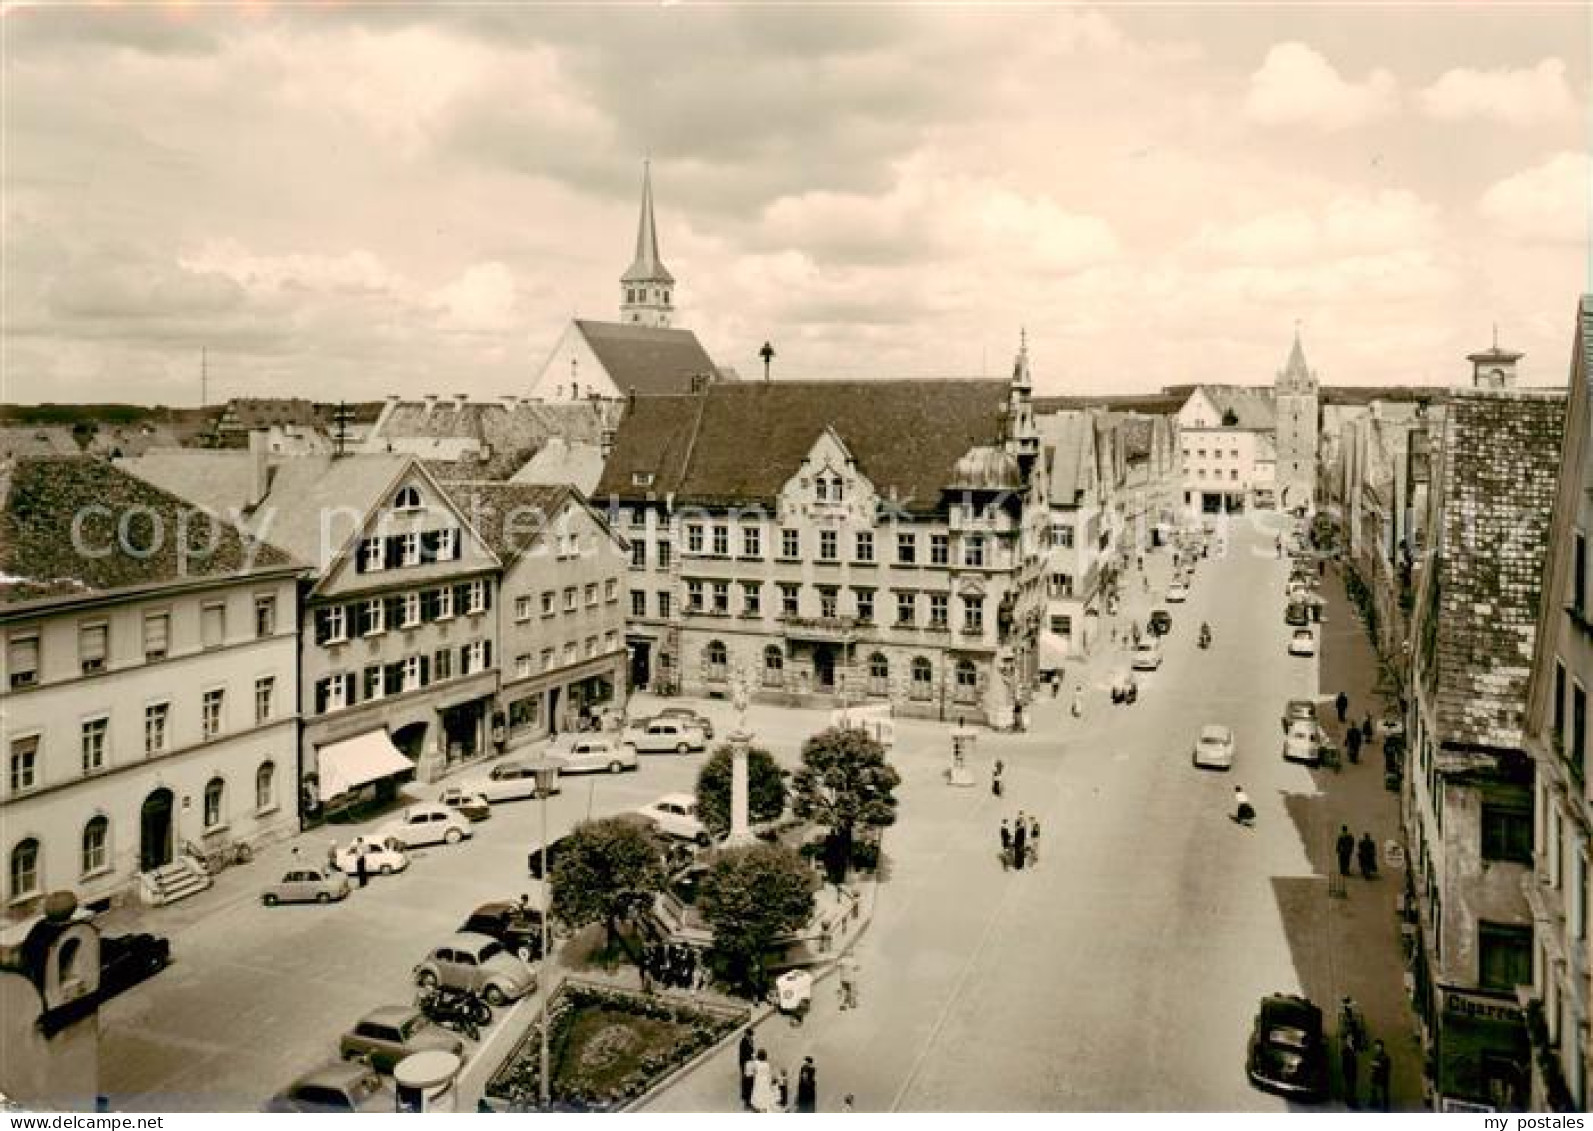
(1379, 1068)
(1020, 842)
(672, 966)
(1363, 852)
(764, 1088)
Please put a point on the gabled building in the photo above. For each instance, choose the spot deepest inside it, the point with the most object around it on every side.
(1557, 841)
(1468, 794)
(1079, 478)
(835, 541)
(461, 439)
(151, 686)
(1226, 434)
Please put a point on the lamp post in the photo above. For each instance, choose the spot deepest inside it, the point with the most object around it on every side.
(547, 778)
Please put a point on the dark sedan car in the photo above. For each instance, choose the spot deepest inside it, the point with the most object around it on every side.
(126, 960)
(518, 929)
(1161, 622)
(1288, 1053)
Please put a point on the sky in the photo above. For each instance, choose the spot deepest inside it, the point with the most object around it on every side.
(352, 200)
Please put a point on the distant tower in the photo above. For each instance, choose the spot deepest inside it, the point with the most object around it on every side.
(1295, 397)
(647, 286)
(1494, 368)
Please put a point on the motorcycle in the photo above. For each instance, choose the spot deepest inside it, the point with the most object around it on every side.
(460, 1010)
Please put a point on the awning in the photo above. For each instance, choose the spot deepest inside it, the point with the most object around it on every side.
(364, 758)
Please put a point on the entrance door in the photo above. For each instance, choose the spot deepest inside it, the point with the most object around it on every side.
(155, 839)
(641, 664)
(553, 712)
(824, 666)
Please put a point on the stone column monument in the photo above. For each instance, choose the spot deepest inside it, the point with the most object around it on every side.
(740, 741)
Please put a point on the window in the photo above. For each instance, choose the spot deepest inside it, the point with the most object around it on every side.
(570, 599)
(156, 716)
(333, 692)
(265, 616)
(1233, 473)
(722, 541)
(906, 548)
(694, 538)
(522, 665)
(967, 681)
(213, 625)
(547, 659)
(865, 545)
(96, 838)
(938, 604)
(445, 603)
(923, 679)
(407, 499)
(265, 787)
(1504, 956)
(939, 549)
(591, 595)
(447, 545)
(611, 589)
(1506, 833)
(22, 659)
(721, 605)
(25, 869)
(210, 712)
(522, 608)
(837, 494)
(265, 693)
(694, 596)
(1559, 697)
(215, 791)
(91, 647)
(94, 732)
(1061, 536)
(157, 635)
(773, 666)
(1576, 753)
(569, 652)
(1579, 573)
(610, 641)
(638, 518)
(829, 600)
(639, 554)
(372, 617)
(821, 488)
(751, 599)
(664, 604)
(409, 604)
(24, 763)
(638, 602)
(371, 555)
(751, 542)
(409, 548)
(865, 604)
(906, 608)
(827, 547)
(879, 674)
(414, 673)
(718, 659)
(790, 543)
(973, 614)
(478, 597)
(790, 604)
(973, 551)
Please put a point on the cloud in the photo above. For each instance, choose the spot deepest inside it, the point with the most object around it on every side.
(1525, 97)
(1297, 86)
(1548, 202)
(1348, 225)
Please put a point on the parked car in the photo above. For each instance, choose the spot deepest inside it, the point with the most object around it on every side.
(1302, 643)
(478, 963)
(1147, 655)
(666, 736)
(687, 714)
(1177, 591)
(1214, 747)
(1303, 709)
(582, 755)
(471, 806)
(675, 814)
(1288, 1052)
(518, 929)
(511, 780)
(307, 885)
(1125, 688)
(382, 857)
(1302, 743)
(1161, 622)
(126, 960)
(385, 1036)
(426, 824)
(1298, 613)
(335, 1087)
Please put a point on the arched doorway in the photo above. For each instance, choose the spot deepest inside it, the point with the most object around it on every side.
(411, 740)
(155, 831)
(824, 666)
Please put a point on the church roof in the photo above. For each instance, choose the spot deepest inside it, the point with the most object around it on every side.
(652, 360)
(647, 267)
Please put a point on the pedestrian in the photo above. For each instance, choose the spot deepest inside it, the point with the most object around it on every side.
(1078, 701)
(847, 1103)
(1366, 727)
(848, 982)
(995, 779)
(362, 867)
(747, 1051)
(1366, 854)
(1352, 745)
(1034, 840)
(1243, 812)
(782, 1091)
(763, 1096)
(807, 1092)
(1345, 847)
(331, 853)
(1020, 838)
(1140, 562)
(1136, 634)
(1349, 1063)
(1342, 705)
(1378, 1072)
(1056, 684)
(1006, 845)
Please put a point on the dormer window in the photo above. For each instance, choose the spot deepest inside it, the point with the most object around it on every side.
(407, 499)
(642, 479)
(821, 487)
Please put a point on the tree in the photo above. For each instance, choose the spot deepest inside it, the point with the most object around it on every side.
(765, 789)
(607, 870)
(846, 785)
(751, 896)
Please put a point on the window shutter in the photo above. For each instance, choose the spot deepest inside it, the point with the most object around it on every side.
(425, 671)
(323, 627)
(348, 687)
(359, 558)
(430, 540)
(321, 694)
(459, 543)
(393, 551)
(394, 676)
(157, 630)
(486, 653)
(394, 612)
(486, 594)
(461, 599)
(464, 659)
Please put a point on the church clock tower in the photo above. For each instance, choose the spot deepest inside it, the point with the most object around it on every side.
(647, 287)
(1295, 398)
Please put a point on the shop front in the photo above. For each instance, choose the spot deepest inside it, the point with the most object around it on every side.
(1481, 1052)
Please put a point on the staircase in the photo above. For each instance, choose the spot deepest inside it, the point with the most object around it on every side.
(171, 882)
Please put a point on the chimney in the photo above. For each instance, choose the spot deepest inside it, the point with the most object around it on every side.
(630, 397)
(431, 402)
(510, 402)
(699, 382)
(259, 469)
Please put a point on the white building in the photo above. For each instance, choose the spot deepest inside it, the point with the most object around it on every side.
(1226, 435)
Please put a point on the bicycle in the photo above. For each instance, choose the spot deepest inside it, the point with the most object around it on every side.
(213, 860)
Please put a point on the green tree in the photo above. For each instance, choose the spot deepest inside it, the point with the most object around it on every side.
(846, 785)
(765, 789)
(606, 871)
(751, 896)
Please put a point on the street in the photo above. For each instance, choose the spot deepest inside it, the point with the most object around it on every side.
(1121, 973)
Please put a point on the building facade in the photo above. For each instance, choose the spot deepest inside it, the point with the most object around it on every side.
(1080, 473)
(1226, 448)
(151, 694)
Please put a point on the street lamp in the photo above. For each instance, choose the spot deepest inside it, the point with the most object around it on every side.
(547, 774)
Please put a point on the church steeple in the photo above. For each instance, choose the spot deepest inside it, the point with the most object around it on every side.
(646, 288)
(1296, 375)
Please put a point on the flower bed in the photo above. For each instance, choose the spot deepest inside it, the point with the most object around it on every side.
(606, 1047)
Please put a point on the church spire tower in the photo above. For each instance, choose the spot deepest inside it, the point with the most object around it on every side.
(647, 287)
(1296, 400)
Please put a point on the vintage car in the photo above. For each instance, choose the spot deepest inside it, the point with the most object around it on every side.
(1288, 1051)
